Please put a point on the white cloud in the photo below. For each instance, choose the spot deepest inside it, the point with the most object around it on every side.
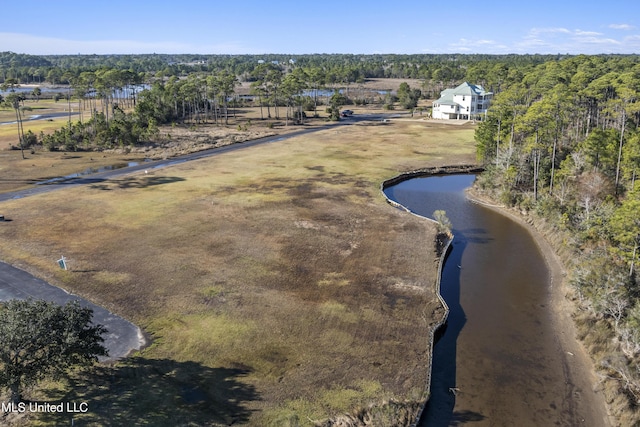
(586, 33)
(466, 42)
(625, 27)
(562, 40)
(538, 40)
(548, 40)
(537, 31)
(598, 40)
(25, 43)
(530, 41)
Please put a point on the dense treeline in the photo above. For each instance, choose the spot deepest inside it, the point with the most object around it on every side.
(124, 108)
(564, 142)
(338, 68)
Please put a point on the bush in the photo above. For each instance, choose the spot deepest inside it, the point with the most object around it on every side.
(509, 197)
(548, 207)
(30, 139)
(308, 104)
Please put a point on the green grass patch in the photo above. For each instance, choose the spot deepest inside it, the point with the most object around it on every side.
(206, 338)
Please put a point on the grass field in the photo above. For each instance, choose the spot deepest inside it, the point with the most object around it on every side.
(173, 140)
(9, 134)
(276, 284)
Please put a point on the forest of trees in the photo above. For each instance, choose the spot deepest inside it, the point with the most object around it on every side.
(561, 141)
(200, 88)
(487, 70)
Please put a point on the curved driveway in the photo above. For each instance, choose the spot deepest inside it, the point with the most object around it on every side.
(123, 336)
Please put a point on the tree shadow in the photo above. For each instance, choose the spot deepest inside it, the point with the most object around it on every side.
(26, 180)
(136, 182)
(476, 235)
(158, 392)
(439, 410)
(463, 417)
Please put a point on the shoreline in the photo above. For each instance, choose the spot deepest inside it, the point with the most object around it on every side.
(583, 387)
(579, 365)
(441, 260)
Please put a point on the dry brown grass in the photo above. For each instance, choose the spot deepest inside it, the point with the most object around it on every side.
(245, 123)
(279, 269)
(173, 140)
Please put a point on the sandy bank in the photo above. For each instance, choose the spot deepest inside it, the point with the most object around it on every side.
(578, 365)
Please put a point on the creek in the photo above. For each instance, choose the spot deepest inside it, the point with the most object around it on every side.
(498, 360)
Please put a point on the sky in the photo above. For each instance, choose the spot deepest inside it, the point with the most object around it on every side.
(59, 27)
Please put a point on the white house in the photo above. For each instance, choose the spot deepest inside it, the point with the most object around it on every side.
(466, 102)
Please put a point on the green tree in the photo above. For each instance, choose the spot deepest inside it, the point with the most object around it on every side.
(36, 92)
(226, 83)
(625, 225)
(599, 149)
(85, 84)
(40, 339)
(316, 80)
(443, 223)
(293, 85)
(273, 82)
(631, 159)
(54, 76)
(628, 90)
(534, 125)
(13, 99)
(336, 101)
(267, 81)
(408, 97)
(506, 109)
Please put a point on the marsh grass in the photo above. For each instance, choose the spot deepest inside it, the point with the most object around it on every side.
(281, 264)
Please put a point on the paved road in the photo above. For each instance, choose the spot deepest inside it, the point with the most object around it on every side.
(123, 336)
(45, 116)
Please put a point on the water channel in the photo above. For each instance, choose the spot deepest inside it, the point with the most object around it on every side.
(498, 361)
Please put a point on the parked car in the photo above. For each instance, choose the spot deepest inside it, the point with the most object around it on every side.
(346, 113)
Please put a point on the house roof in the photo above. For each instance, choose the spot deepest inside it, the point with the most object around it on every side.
(469, 89)
(446, 96)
